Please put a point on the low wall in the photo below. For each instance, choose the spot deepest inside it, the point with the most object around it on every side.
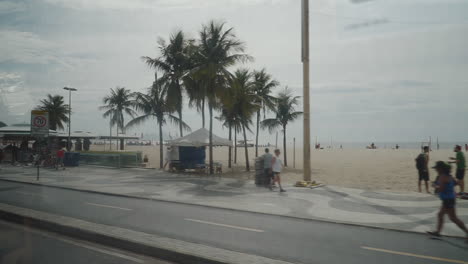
(112, 159)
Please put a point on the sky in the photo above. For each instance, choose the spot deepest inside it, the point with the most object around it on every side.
(381, 70)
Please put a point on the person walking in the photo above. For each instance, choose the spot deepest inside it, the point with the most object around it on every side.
(422, 164)
(1, 157)
(172, 155)
(14, 154)
(460, 161)
(446, 186)
(267, 157)
(277, 167)
(59, 158)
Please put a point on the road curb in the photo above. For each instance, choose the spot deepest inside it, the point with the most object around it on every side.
(141, 243)
(224, 208)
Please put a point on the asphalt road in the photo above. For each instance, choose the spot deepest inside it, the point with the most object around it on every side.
(289, 239)
(23, 245)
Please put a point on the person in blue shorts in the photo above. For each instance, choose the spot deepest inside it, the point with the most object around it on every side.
(446, 186)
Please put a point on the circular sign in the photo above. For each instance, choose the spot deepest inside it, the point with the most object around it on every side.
(39, 121)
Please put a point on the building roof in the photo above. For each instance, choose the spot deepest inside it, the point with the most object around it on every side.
(121, 136)
(76, 134)
(19, 130)
(199, 138)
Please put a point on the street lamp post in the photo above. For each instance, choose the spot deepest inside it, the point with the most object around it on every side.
(69, 89)
(305, 69)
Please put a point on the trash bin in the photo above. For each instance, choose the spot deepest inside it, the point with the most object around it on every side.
(71, 159)
(259, 175)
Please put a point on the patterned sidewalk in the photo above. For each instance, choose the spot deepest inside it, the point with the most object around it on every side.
(402, 211)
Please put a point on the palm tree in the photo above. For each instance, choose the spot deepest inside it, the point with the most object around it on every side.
(262, 85)
(245, 104)
(154, 104)
(197, 94)
(218, 49)
(174, 62)
(285, 112)
(58, 111)
(118, 103)
(231, 123)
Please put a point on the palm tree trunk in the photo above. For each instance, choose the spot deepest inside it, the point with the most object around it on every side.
(247, 165)
(284, 147)
(210, 108)
(117, 137)
(256, 136)
(161, 147)
(122, 141)
(235, 144)
(180, 124)
(203, 112)
(110, 134)
(230, 148)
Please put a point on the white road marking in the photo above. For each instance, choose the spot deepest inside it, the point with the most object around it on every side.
(108, 252)
(27, 193)
(110, 206)
(79, 244)
(415, 255)
(224, 225)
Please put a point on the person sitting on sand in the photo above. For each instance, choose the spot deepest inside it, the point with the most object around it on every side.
(277, 167)
(446, 186)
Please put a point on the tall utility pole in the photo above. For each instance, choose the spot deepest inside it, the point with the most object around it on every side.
(305, 72)
(69, 89)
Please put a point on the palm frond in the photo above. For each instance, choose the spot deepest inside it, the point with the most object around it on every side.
(271, 124)
(138, 120)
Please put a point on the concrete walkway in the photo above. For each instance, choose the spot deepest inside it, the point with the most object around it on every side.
(402, 211)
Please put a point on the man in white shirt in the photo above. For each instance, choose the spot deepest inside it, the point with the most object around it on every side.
(277, 167)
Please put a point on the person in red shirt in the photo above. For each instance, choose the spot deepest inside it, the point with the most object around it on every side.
(60, 156)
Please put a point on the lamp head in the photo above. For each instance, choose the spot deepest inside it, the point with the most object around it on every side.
(69, 89)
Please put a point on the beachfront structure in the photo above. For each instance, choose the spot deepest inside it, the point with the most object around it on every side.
(192, 149)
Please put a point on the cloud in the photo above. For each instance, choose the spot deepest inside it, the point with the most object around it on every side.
(26, 47)
(7, 7)
(14, 98)
(153, 4)
(20, 47)
(350, 87)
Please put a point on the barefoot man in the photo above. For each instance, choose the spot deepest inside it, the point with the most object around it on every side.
(422, 162)
(446, 186)
(460, 161)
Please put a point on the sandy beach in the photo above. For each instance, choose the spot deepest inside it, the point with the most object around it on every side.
(374, 169)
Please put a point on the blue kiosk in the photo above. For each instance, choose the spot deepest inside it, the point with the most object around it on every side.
(191, 149)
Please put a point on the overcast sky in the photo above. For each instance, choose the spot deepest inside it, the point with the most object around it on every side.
(381, 70)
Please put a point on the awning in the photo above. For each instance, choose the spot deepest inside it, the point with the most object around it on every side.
(20, 130)
(199, 138)
(77, 134)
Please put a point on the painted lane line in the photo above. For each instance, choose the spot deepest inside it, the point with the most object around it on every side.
(415, 255)
(75, 243)
(104, 251)
(224, 225)
(27, 193)
(110, 206)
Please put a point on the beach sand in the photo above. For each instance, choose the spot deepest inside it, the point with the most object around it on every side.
(373, 169)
